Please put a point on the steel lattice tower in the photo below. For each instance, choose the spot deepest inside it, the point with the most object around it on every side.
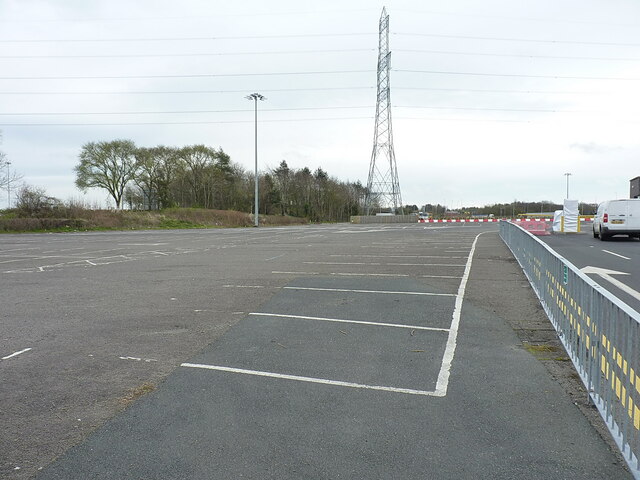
(383, 188)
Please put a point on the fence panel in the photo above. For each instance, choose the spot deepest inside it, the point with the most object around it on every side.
(600, 333)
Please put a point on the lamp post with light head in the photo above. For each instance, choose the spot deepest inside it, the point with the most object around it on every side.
(255, 97)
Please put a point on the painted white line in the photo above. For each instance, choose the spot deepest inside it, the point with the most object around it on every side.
(296, 273)
(243, 286)
(137, 359)
(15, 354)
(371, 291)
(450, 350)
(298, 378)
(347, 274)
(141, 244)
(616, 254)
(16, 260)
(371, 274)
(607, 275)
(273, 258)
(386, 264)
(359, 322)
(440, 276)
(394, 256)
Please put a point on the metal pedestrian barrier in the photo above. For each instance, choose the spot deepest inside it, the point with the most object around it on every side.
(600, 333)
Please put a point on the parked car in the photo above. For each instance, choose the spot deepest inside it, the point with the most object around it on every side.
(617, 217)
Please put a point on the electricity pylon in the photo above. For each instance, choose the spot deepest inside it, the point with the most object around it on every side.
(383, 188)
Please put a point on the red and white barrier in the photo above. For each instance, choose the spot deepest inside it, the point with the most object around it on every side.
(486, 220)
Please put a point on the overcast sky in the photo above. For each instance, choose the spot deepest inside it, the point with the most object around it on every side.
(492, 101)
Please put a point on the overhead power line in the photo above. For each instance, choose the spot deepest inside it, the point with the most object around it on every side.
(194, 75)
(519, 19)
(307, 52)
(177, 55)
(519, 75)
(202, 92)
(328, 72)
(525, 40)
(174, 112)
(116, 124)
(313, 35)
(183, 39)
(513, 55)
(355, 107)
(180, 17)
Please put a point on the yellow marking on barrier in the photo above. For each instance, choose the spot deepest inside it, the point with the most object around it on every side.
(580, 311)
(603, 362)
(638, 383)
(618, 384)
(630, 409)
(614, 352)
(624, 396)
(604, 339)
(636, 417)
(587, 340)
(624, 367)
(632, 376)
(578, 328)
(619, 359)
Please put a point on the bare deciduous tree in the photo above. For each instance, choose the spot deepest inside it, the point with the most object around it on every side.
(108, 165)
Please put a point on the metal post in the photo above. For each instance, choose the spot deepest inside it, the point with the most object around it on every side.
(255, 97)
(567, 175)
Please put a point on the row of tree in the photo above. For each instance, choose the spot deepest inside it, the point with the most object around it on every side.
(512, 209)
(204, 177)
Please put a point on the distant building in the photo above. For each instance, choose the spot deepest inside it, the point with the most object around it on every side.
(635, 188)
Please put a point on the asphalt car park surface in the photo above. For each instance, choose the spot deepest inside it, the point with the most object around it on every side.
(614, 264)
(307, 352)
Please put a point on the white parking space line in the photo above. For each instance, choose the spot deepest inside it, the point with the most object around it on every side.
(393, 256)
(244, 286)
(295, 273)
(339, 320)
(450, 349)
(440, 276)
(616, 254)
(386, 264)
(345, 274)
(15, 354)
(273, 258)
(309, 379)
(384, 292)
(16, 260)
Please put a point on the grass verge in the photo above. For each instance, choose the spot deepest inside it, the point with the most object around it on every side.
(69, 220)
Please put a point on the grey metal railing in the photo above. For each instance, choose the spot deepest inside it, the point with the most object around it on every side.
(600, 333)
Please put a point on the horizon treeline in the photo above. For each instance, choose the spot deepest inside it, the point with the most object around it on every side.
(199, 176)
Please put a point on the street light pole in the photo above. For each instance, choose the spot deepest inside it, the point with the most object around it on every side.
(255, 97)
(567, 175)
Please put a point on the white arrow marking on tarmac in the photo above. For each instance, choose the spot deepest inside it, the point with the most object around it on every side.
(606, 274)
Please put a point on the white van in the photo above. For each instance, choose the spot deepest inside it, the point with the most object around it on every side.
(617, 217)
